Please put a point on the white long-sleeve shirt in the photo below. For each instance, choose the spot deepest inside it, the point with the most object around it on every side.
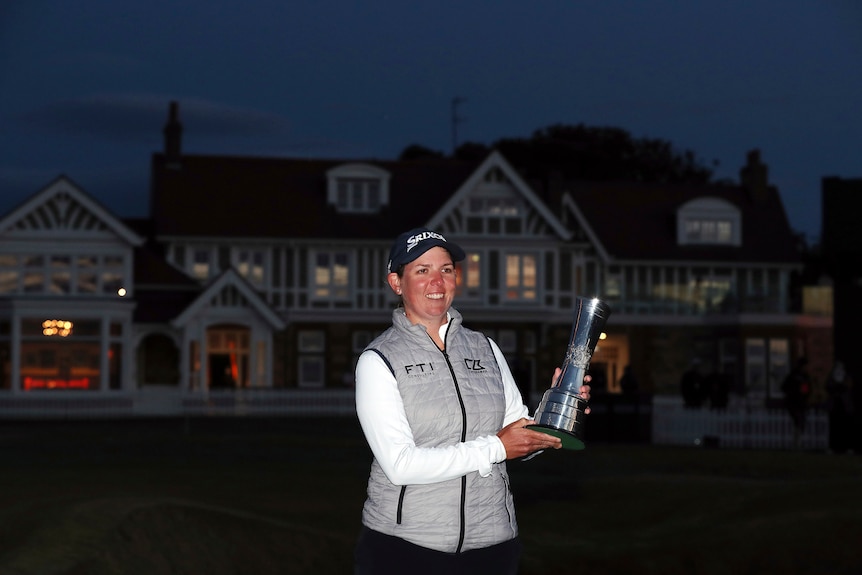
(384, 422)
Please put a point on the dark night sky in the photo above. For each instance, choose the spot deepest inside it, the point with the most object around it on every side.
(85, 86)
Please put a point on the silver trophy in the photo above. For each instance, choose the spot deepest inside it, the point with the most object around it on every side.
(561, 411)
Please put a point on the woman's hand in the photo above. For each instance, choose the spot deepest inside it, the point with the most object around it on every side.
(584, 391)
(521, 441)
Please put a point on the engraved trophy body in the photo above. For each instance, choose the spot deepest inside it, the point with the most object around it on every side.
(561, 410)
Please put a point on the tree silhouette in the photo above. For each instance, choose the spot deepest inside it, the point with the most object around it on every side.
(417, 152)
(590, 153)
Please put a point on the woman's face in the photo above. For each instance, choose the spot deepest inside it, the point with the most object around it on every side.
(427, 286)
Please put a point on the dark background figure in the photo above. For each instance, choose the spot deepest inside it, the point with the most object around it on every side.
(692, 385)
(839, 389)
(628, 381)
(856, 419)
(718, 388)
(797, 390)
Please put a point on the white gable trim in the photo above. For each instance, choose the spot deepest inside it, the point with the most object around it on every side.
(64, 185)
(569, 204)
(229, 278)
(496, 160)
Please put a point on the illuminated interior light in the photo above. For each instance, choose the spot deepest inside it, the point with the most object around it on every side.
(61, 327)
(603, 336)
(121, 292)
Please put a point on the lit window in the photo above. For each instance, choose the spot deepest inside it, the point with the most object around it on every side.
(817, 300)
(34, 274)
(331, 275)
(61, 274)
(112, 274)
(613, 283)
(88, 278)
(495, 207)
(709, 220)
(708, 231)
(709, 293)
(506, 206)
(470, 275)
(201, 260)
(250, 265)
(9, 274)
(521, 277)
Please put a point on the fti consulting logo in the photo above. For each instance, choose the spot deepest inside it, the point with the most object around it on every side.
(419, 369)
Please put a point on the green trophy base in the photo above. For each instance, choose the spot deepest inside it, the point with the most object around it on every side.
(569, 439)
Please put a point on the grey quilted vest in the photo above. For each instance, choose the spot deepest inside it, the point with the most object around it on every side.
(449, 397)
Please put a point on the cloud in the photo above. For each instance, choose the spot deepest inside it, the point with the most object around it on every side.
(138, 117)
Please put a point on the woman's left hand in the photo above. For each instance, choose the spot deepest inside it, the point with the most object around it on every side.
(584, 391)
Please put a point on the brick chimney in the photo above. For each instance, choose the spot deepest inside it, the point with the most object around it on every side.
(754, 177)
(173, 132)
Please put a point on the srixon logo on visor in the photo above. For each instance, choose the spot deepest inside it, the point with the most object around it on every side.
(413, 241)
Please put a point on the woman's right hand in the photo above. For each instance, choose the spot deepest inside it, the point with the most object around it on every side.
(520, 441)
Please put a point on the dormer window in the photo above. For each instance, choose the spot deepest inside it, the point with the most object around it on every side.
(708, 231)
(709, 221)
(358, 188)
(358, 195)
(495, 207)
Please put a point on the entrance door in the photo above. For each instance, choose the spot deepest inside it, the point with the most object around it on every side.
(610, 357)
(228, 357)
(221, 375)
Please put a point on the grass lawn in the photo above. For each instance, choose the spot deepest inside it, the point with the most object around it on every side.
(255, 496)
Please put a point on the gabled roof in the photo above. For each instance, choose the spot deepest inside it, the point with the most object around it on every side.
(63, 208)
(226, 281)
(496, 160)
(633, 221)
(226, 196)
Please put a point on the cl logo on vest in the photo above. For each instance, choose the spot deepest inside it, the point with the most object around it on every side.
(474, 365)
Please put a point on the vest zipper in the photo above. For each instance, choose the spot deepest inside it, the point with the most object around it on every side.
(463, 439)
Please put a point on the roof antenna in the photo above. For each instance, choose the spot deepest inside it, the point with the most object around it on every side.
(456, 119)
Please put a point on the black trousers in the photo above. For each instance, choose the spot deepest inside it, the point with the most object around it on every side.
(379, 554)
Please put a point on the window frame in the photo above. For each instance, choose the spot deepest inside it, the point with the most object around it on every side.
(357, 188)
(699, 222)
(243, 260)
(521, 289)
(334, 293)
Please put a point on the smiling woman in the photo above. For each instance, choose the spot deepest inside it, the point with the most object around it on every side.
(442, 414)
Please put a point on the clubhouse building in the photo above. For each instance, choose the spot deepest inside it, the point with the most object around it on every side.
(254, 275)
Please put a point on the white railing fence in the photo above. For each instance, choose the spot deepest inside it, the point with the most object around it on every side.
(743, 424)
